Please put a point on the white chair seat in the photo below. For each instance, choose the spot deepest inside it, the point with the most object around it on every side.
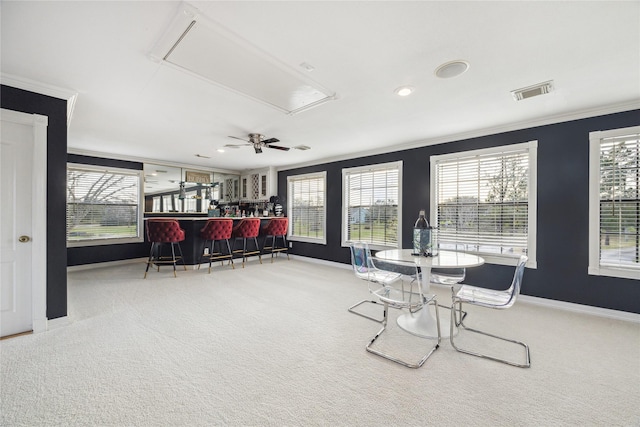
(484, 297)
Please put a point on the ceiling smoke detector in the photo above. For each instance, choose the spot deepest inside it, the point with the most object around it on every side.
(531, 91)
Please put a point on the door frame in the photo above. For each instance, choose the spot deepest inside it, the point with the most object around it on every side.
(39, 124)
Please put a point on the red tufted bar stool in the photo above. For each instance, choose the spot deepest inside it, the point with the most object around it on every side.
(247, 229)
(217, 230)
(275, 228)
(161, 231)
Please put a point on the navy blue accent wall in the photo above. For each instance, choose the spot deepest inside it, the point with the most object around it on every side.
(563, 211)
(105, 253)
(56, 263)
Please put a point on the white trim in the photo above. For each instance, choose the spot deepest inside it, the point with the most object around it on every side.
(527, 299)
(42, 88)
(595, 268)
(345, 203)
(582, 309)
(293, 238)
(114, 156)
(527, 124)
(39, 216)
(139, 173)
(531, 147)
(39, 223)
(58, 322)
(85, 267)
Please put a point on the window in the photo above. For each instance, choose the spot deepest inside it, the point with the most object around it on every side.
(306, 207)
(103, 205)
(371, 208)
(614, 203)
(484, 201)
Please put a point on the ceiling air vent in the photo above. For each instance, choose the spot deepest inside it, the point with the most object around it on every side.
(531, 91)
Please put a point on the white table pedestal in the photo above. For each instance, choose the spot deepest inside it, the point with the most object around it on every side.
(423, 323)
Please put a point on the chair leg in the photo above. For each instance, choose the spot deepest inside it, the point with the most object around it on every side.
(173, 257)
(351, 310)
(149, 262)
(459, 323)
(255, 240)
(396, 359)
(230, 254)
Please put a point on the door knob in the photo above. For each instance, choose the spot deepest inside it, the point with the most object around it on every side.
(24, 239)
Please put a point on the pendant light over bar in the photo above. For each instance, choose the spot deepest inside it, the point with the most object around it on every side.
(200, 47)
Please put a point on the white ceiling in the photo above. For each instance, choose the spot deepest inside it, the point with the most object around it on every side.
(129, 105)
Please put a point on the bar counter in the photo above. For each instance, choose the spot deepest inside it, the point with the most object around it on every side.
(192, 244)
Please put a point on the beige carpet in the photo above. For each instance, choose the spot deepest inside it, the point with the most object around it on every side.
(273, 345)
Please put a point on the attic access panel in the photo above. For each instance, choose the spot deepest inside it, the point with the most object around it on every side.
(221, 57)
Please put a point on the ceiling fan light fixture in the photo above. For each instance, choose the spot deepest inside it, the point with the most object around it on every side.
(404, 90)
(452, 69)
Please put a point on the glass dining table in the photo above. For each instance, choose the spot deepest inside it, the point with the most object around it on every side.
(423, 323)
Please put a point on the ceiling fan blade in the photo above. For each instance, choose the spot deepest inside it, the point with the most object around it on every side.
(270, 140)
(277, 147)
(234, 146)
(235, 137)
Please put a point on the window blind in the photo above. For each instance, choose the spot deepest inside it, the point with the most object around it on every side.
(372, 204)
(619, 244)
(482, 202)
(102, 204)
(306, 206)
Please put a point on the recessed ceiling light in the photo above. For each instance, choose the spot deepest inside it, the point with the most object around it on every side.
(220, 150)
(452, 69)
(404, 91)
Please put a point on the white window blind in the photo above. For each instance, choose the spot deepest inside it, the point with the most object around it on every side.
(616, 186)
(484, 201)
(306, 207)
(103, 204)
(372, 208)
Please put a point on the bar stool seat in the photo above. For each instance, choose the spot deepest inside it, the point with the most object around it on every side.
(247, 229)
(162, 231)
(275, 229)
(217, 230)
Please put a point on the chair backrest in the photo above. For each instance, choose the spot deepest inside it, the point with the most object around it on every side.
(217, 229)
(247, 227)
(447, 276)
(164, 230)
(276, 227)
(516, 284)
(361, 259)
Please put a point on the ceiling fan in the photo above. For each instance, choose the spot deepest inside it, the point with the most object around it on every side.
(258, 141)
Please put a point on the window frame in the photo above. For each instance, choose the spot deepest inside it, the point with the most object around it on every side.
(292, 237)
(140, 204)
(345, 202)
(532, 148)
(595, 268)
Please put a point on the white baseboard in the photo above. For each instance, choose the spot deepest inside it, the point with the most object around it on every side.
(58, 322)
(105, 264)
(579, 308)
(543, 302)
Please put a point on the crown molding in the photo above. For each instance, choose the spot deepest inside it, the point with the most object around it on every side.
(90, 153)
(44, 89)
(542, 121)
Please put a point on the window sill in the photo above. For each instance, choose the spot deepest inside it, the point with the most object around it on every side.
(622, 273)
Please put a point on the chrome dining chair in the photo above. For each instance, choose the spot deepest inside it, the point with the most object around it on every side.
(488, 298)
(361, 261)
(396, 295)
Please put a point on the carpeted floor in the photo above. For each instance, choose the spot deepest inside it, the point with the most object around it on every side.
(274, 345)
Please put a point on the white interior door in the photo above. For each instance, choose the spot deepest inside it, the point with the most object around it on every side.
(22, 286)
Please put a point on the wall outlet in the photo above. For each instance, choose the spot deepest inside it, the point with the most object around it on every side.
(206, 251)
(290, 244)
